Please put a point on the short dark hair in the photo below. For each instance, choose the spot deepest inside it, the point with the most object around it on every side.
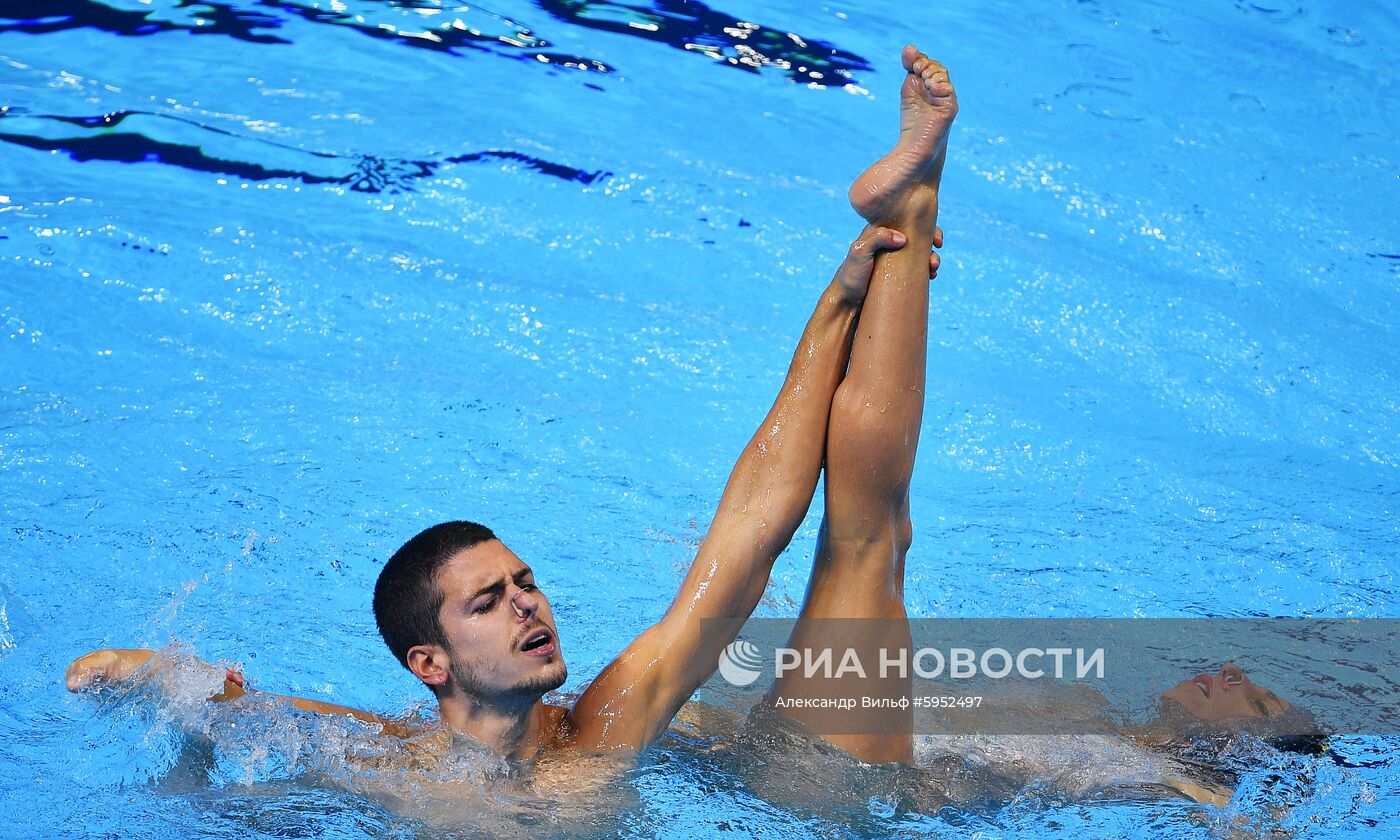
(407, 598)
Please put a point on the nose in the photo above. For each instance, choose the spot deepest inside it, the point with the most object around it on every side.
(1231, 675)
(524, 604)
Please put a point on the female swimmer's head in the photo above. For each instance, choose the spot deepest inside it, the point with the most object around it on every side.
(1213, 707)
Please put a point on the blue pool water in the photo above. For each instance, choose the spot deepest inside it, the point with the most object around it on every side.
(284, 281)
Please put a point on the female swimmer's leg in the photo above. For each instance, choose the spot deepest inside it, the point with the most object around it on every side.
(873, 431)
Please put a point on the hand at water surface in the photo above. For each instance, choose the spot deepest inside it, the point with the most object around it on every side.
(104, 666)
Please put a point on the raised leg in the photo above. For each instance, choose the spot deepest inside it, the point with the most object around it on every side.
(873, 430)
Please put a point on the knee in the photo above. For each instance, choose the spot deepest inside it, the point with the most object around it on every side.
(870, 447)
(903, 533)
(860, 414)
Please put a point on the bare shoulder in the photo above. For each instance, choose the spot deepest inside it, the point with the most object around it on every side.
(570, 726)
(557, 717)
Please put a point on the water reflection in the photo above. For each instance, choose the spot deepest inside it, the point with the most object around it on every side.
(453, 29)
(695, 27)
(456, 29)
(148, 137)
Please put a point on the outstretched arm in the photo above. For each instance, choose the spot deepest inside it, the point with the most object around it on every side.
(768, 493)
(124, 665)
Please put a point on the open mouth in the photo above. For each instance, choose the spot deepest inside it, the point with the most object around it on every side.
(1204, 682)
(538, 643)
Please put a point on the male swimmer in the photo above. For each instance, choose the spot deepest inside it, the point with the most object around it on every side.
(462, 612)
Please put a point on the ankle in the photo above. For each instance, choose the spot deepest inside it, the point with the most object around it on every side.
(914, 212)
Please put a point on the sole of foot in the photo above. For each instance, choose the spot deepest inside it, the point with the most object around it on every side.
(906, 180)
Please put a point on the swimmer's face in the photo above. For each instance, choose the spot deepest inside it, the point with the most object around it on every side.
(498, 625)
(1225, 695)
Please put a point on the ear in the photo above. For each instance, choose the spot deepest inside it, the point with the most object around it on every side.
(430, 664)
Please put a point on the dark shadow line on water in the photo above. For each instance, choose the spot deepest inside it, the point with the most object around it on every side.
(694, 27)
(225, 20)
(38, 18)
(445, 39)
(687, 25)
(362, 173)
(135, 148)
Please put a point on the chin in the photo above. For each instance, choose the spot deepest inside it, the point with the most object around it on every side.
(1171, 707)
(547, 680)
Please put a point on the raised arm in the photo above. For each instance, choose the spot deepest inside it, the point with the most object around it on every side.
(768, 493)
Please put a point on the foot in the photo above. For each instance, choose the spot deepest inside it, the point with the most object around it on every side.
(907, 178)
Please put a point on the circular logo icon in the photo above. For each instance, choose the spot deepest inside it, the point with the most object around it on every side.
(740, 663)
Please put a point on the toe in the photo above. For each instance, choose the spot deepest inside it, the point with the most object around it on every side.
(938, 85)
(909, 55)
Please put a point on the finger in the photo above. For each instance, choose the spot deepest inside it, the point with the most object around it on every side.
(933, 263)
(879, 239)
(938, 237)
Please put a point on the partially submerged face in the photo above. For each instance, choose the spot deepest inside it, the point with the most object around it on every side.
(1225, 695)
(500, 631)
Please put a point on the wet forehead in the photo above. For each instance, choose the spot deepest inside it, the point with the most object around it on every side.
(481, 565)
